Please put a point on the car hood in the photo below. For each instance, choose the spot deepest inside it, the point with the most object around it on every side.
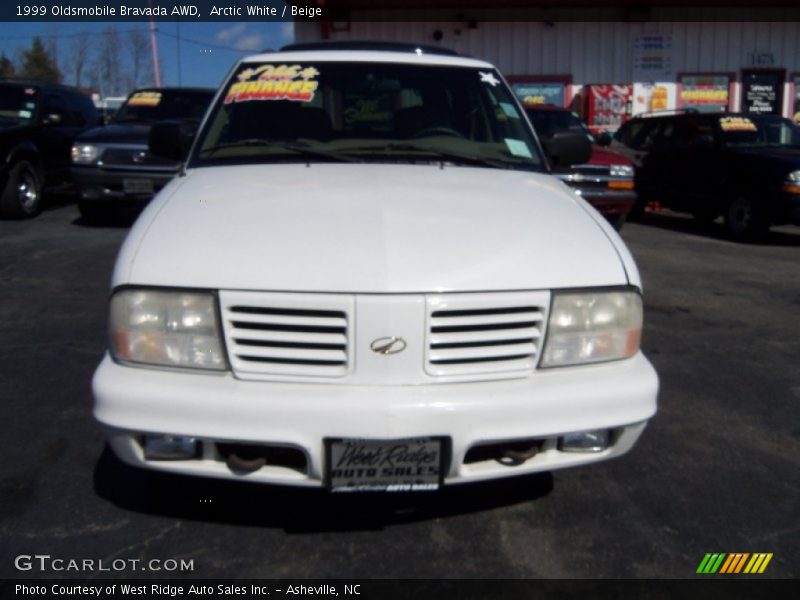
(601, 156)
(116, 133)
(368, 229)
(787, 155)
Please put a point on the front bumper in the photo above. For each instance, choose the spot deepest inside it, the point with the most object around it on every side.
(109, 185)
(787, 209)
(607, 202)
(130, 402)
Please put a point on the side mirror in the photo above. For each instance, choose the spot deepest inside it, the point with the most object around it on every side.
(567, 148)
(172, 139)
(604, 139)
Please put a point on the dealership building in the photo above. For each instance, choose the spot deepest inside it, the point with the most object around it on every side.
(605, 62)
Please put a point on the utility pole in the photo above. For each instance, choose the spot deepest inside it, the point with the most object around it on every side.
(154, 49)
(178, 42)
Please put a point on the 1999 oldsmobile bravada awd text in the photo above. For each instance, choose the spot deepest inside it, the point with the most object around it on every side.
(366, 279)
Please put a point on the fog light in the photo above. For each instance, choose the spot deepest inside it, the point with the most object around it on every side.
(584, 441)
(167, 447)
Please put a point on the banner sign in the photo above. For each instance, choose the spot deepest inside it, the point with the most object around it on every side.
(705, 93)
(539, 93)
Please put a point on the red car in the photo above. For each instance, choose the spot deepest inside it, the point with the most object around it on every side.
(606, 181)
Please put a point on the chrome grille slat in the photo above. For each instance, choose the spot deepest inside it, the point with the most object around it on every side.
(453, 337)
(340, 322)
(261, 352)
(292, 336)
(495, 352)
(287, 335)
(516, 318)
(484, 335)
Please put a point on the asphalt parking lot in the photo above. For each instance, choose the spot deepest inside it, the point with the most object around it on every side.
(716, 470)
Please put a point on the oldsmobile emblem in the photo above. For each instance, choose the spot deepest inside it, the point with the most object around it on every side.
(388, 345)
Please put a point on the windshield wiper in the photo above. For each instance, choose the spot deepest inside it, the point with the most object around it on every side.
(300, 148)
(439, 154)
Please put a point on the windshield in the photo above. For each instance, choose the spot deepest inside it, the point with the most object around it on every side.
(17, 104)
(547, 123)
(160, 105)
(359, 111)
(756, 131)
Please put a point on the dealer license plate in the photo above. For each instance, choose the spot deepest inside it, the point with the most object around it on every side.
(411, 465)
(137, 186)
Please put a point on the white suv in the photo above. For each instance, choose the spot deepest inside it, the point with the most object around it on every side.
(366, 279)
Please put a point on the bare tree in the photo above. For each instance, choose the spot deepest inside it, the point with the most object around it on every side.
(140, 70)
(106, 76)
(50, 39)
(74, 62)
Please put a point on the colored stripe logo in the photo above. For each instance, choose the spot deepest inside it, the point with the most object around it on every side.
(734, 563)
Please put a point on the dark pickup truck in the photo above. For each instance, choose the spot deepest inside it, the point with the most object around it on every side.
(38, 123)
(111, 165)
(745, 167)
(605, 180)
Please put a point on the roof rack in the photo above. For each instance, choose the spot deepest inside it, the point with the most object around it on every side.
(370, 45)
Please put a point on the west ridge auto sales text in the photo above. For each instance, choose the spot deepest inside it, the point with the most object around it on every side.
(188, 10)
(153, 590)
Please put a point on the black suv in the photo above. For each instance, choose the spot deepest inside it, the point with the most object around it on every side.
(745, 167)
(38, 123)
(111, 165)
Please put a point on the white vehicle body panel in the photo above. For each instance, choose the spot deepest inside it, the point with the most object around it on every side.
(368, 229)
(374, 250)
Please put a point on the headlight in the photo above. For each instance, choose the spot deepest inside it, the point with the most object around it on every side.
(591, 327)
(792, 183)
(85, 154)
(621, 171)
(166, 328)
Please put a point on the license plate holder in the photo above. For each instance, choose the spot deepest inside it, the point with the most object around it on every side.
(137, 186)
(386, 465)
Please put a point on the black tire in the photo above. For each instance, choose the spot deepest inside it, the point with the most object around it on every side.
(617, 221)
(22, 198)
(95, 213)
(637, 210)
(745, 218)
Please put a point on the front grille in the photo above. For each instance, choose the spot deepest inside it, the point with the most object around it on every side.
(134, 158)
(483, 335)
(290, 335)
(591, 170)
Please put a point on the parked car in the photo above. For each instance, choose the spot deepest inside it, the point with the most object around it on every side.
(38, 123)
(366, 279)
(111, 166)
(745, 167)
(606, 180)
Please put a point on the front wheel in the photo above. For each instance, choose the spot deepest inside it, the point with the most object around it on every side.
(22, 197)
(745, 219)
(617, 221)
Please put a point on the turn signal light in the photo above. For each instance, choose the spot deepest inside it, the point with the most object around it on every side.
(620, 184)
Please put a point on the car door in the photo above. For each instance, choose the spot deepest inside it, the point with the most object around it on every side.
(695, 164)
(59, 124)
(652, 149)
